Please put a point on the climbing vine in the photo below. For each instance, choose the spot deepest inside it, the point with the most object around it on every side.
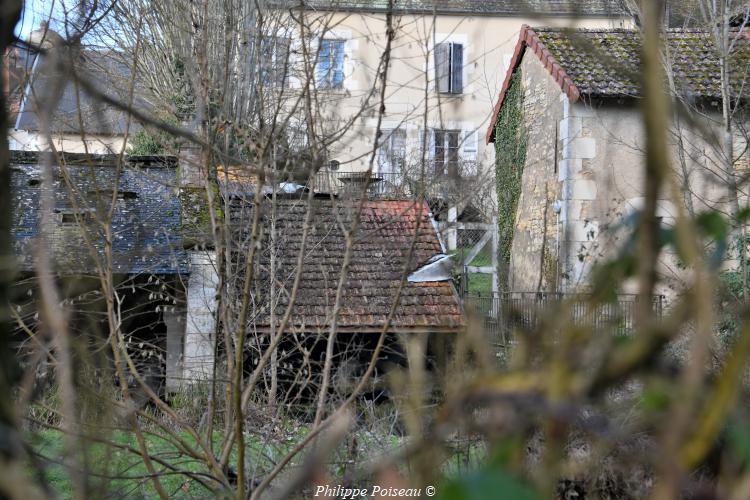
(510, 154)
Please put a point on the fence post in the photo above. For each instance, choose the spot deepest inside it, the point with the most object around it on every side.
(451, 233)
(495, 259)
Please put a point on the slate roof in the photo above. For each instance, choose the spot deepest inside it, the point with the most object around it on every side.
(477, 7)
(106, 71)
(606, 63)
(146, 220)
(18, 62)
(377, 265)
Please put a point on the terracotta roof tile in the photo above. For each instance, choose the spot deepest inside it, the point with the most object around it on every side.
(377, 265)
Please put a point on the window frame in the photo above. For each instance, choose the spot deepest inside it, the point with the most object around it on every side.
(393, 153)
(275, 71)
(446, 164)
(327, 79)
(449, 68)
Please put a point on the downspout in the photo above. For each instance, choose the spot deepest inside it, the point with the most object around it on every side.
(564, 202)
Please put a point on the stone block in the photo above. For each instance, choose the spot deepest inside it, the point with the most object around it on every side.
(582, 147)
(582, 230)
(567, 169)
(579, 189)
(570, 128)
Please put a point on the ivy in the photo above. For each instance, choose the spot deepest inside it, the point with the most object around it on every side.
(154, 141)
(510, 154)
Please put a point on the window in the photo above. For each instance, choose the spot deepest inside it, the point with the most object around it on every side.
(68, 217)
(445, 152)
(392, 155)
(107, 193)
(449, 65)
(296, 137)
(330, 73)
(274, 60)
(469, 166)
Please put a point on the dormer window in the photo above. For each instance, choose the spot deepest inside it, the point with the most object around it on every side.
(69, 217)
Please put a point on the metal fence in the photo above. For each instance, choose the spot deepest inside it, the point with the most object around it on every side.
(504, 315)
(396, 185)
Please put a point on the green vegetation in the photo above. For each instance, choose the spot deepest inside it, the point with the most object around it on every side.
(510, 154)
(148, 142)
(479, 285)
(119, 469)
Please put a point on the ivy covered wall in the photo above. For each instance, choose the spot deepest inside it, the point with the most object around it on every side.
(510, 154)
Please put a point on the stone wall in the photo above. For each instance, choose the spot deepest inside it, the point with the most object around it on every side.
(200, 323)
(533, 262)
(588, 156)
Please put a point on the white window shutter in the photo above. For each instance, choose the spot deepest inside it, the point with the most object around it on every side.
(427, 142)
(443, 67)
(470, 153)
(470, 145)
(384, 142)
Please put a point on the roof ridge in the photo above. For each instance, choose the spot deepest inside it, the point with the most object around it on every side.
(605, 62)
(529, 38)
(557, 29)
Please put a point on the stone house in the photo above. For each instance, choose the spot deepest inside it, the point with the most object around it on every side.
(443, 77)
(80, 123)
(578, 94)
(452, 48)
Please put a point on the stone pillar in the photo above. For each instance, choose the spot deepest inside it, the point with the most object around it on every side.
(191, 172)
(579, 191)
(200, 327)
(175, 321)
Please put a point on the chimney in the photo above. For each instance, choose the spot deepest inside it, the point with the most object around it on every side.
(191, 166)
(192, 173)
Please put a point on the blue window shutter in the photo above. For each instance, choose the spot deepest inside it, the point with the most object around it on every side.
(338, 72)
(457, 68)
(324, 63)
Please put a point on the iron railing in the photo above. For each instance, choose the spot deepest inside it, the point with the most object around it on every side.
(504, 315)
(389, 184)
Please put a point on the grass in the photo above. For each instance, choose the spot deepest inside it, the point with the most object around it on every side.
(480, 285)
(115, 472)
(483, 258)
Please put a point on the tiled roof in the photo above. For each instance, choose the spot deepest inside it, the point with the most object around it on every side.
(377, 265)
(480, 7)
(607, 63)
(145, 222)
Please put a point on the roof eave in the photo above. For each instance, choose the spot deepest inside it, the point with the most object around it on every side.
(529, 38)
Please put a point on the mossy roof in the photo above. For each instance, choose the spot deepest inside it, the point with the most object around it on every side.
(608, 62)
(578, 8)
